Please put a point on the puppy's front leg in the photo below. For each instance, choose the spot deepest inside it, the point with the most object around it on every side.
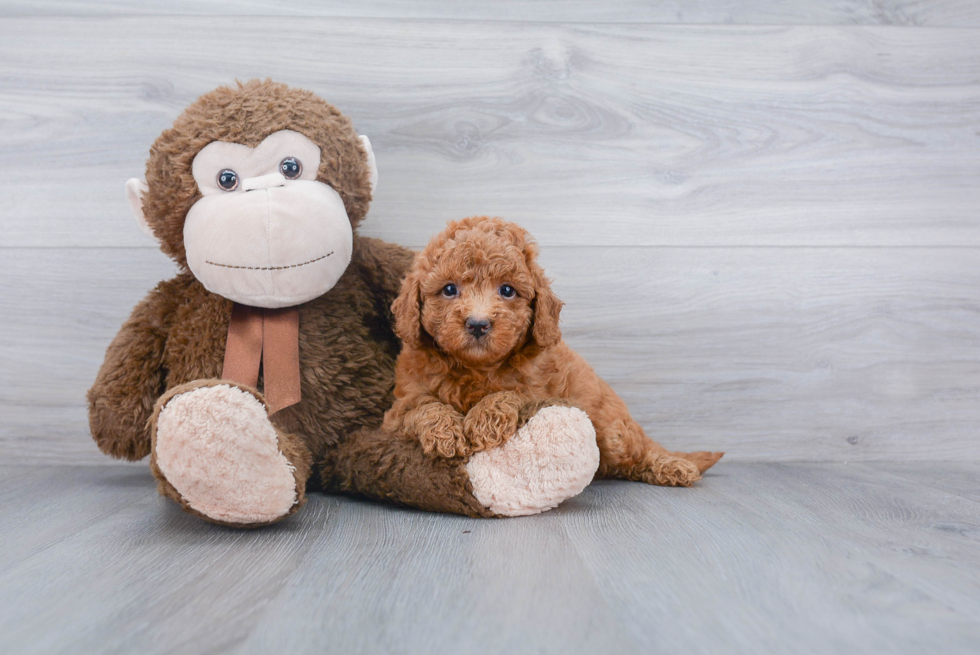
(439, 428)
(436, 425)
(492, 420)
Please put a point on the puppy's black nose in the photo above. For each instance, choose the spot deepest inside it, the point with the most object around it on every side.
(477, 326)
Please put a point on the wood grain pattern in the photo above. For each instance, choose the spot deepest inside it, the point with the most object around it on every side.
(452, 585)
(935, 13)
(739, 559)
(769, 353)
(963, 479)
(766, 233)
(759, 558)
(589, 134)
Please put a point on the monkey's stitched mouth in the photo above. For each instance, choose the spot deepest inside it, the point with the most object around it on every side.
(269, 268)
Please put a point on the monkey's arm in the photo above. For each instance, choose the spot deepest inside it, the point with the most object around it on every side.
(132, 377)
(383, 265)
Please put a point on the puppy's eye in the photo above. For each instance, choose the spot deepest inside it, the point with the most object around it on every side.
(228, 179)
(450, 291)
(291, 168)
(506, 291)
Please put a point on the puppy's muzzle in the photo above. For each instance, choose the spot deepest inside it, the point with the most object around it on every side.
(477, 326)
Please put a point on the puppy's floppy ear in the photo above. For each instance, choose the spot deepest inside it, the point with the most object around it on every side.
(547, 306)
(407, 309)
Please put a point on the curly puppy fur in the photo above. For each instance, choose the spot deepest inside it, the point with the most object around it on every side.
(459, 391)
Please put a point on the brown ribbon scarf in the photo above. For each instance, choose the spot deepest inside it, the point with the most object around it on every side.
(269, 337)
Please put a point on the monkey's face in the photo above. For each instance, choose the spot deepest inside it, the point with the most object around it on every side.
(266, 233)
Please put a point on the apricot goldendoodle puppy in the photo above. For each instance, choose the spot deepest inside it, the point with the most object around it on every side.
(482, 350)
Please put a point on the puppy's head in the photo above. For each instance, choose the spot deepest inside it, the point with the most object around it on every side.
(478, 294)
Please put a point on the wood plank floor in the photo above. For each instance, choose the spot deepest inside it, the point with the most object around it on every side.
(759, 558)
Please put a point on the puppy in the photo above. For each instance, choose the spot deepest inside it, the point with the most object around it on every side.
(482, 351)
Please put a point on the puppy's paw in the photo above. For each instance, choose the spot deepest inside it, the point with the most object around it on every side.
(439, 428)
(492, 420)
(438, 443)
(670, 471)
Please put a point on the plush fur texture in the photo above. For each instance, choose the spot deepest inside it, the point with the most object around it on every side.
(459, 393)
(173, 344)
(553, 457)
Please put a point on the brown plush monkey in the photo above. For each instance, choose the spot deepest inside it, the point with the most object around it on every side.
(256, 192)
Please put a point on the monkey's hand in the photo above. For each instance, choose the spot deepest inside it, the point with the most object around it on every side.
(493, 420)
(131, 379)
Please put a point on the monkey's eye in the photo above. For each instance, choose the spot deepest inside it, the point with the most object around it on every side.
(291, 168)
(506, 291)
(228, 180)
(450, 291)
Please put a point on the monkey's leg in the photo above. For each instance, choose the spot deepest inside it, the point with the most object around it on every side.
(550, 458)
(393, 468)
(216, 453)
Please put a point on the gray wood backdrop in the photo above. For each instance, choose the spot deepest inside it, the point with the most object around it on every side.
(764, 217)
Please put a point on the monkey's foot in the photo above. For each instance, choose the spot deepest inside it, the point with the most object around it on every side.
(217, 454)
(550, 459)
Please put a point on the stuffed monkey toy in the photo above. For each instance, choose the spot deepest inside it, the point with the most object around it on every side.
(263, 369)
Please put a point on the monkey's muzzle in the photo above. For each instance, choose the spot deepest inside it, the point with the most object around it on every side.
(276, 245)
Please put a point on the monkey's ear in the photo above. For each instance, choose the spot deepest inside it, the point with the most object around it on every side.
(366, 143)
(134, 194)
